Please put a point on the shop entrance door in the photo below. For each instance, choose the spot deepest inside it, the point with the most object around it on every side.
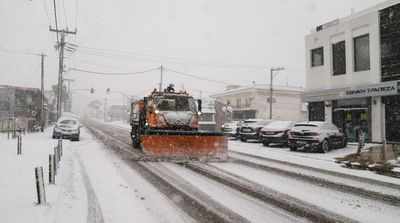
(352, 121)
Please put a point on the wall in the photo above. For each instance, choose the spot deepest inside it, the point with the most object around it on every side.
(321, 78)
(286, 107)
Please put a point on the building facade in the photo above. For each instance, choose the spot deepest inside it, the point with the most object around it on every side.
(353, 73)
(253, 102)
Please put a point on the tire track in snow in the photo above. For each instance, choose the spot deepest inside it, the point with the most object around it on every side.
(94, 211)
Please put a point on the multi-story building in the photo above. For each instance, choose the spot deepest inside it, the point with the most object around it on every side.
(353, 73)
(253, 102)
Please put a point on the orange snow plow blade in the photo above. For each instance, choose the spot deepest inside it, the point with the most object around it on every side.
(186, 145)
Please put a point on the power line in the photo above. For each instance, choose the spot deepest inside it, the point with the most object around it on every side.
(113, 73)
(98, 64)
(124, 54)
(18, 52)
(198, 77)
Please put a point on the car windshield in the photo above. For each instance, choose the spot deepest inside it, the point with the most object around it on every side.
(305, 127)
(68, 122)
(176, 104)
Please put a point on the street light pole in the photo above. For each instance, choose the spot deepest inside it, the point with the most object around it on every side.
(271, 89)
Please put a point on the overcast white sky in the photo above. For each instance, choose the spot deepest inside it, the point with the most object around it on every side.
(230, 41)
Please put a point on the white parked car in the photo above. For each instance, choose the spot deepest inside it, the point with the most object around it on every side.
(317, 136)
(231, 129)
(67, 128)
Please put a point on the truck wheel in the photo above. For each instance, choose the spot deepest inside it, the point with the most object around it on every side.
(325, 146)
(136, 144)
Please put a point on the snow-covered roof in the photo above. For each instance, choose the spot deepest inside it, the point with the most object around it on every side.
(374, 8)
(258, 87)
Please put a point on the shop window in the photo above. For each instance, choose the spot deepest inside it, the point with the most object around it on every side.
(242, 115)
(317, 57)
(339, 58)
(316, 111)
(238, 103)
(248, 102)
(361, 53)
(4, 106)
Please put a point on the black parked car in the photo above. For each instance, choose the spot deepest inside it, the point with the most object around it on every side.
(276, 132)
(251, 129)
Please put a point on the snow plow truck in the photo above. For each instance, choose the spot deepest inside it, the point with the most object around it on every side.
(165, 126)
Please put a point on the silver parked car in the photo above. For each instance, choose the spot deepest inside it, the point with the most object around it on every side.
(67, 128)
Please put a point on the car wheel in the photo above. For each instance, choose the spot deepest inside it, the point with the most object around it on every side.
(325, 146)
(243, 139)
(344, 143)
(293, 148)
(265, 143)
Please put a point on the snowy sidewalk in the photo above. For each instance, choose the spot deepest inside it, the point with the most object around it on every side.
(18, 187)
(91, 185)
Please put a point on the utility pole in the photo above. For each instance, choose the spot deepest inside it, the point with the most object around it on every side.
(271, 90)
(161, 74)
(42, 93)
(60, 47)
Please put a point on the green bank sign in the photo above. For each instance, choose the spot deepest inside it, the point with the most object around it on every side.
(374, 91)
(381, 89)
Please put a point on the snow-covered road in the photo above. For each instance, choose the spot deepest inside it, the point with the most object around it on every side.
(93, 184)
(88, 176)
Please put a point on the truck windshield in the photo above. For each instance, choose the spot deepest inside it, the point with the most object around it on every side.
(176, 104)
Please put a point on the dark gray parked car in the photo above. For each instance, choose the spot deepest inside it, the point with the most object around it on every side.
(276, 132)
(251, 129)
(316, 136)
